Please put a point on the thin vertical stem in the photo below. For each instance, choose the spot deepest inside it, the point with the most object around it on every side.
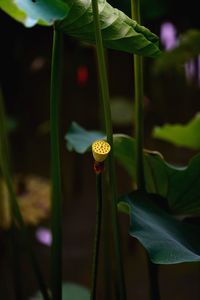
(139, 99)
(6, 172)
(109, 133)
(154, 290)
(97, 235)
(56, 215)
(107, 276)
(140, 179)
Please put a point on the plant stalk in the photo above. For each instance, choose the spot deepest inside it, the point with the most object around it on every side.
(154, 290)
(56, 215)
(97, 235)
(139, 125)
(139, 100)
(107, 276)
(109, 133)
(17, 217)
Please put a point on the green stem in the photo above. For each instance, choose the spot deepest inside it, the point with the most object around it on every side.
(6, 172)
(107, 277)
(116, 231)
(139, 99)
(109, 133)
(154, 290)
(56, 218)
(139, 125)
(97, 236)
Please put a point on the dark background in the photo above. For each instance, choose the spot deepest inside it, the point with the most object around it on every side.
(25, 87)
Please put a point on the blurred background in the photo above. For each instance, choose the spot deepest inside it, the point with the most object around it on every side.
(171, 95)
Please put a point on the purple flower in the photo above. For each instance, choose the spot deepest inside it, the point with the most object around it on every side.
(44, 236)
(168, 36)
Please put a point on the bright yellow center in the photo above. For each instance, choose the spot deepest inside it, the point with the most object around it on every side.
(100, 150)
(101, 147)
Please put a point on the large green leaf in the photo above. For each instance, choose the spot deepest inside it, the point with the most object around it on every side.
(189, 47)
(167, 240)
(75, 17)
(71, 291)
(179, 185)
(118, 30)
(29, 12)
(185, 135)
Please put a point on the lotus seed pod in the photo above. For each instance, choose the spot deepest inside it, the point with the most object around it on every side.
(100, 150)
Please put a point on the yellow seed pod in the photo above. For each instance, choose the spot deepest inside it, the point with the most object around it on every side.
(100, 150)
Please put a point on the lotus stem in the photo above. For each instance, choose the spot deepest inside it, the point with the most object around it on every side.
(97, 235)
(139, 132)
(139, 100)
(109, 134)
(56, 206)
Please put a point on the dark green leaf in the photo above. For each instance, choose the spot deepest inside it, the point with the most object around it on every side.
(156, 170)
(118, 30)
(180, 186)
(32, 12)
(71, 291)
(184, 192)
(189, 47)
(167, 240)
(185, 135)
